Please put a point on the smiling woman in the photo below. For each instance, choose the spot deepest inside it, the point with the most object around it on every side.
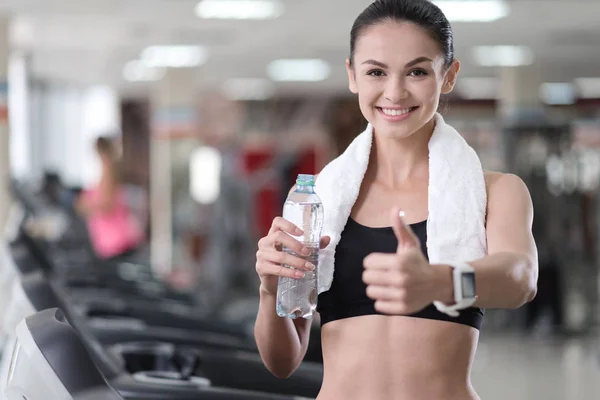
(401, 299)
(424, 67)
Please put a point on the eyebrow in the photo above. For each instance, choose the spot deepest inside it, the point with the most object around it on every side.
(408, 65)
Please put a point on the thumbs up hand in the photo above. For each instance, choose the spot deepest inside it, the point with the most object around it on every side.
(403, 282)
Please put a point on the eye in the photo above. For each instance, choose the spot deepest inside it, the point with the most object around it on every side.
(375, 72)
(417, 72)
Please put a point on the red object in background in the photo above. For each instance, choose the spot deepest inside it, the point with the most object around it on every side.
(268, 199)
(307, 163)
(3, 114)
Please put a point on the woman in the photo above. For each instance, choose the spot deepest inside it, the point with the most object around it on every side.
(112, 227)
(388, 331)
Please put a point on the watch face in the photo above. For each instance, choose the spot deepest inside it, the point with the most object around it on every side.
(468, 285)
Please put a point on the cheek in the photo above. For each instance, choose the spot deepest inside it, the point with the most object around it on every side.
(368, 91)
(363, 91)
(428, 90)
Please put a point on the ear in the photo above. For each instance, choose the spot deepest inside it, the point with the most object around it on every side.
(351, 77)
(450, 77)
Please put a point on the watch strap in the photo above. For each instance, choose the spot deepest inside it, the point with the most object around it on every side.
(460, 303)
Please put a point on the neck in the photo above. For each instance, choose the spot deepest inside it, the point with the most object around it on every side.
(106, 164)
(396, 162)
(108, 168)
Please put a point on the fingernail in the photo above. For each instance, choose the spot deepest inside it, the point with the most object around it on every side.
(298, 231)
(401, 214)
(299, 274)
(310, 266)
(305, 251)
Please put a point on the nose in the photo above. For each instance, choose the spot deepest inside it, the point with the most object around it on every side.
(395, 90)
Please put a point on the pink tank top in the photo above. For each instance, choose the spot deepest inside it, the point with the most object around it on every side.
(113, 232)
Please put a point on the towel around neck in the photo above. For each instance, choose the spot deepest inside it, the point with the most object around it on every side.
(456, 206)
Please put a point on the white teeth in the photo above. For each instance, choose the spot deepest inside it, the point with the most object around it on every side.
(395, 113)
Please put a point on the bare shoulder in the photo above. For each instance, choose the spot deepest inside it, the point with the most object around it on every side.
(491, 177)
(499, 183)
(507, 194)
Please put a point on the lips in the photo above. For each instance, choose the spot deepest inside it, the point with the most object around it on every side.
(394, 112)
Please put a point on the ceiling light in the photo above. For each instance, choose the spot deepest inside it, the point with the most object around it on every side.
(174, 56)
(473, 10)
(248, 89)
(588, 88)
(558, 93)
(137, 71)
(503, 56)
(239, 9)
(299, 70)
(205, 175)
(477, 88)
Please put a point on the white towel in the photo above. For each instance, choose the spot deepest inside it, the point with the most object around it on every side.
(457, 198)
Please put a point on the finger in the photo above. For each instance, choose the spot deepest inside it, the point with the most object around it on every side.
(279, 257)
(383, 261)
(282, 224)
(325, 240)
(271, 269)
(291, 243)
(406, 236)
(376, 277)
(280, 238)
(391, 307)
(383, 293)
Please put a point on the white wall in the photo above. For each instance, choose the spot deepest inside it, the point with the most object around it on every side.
(100, 116)
(65, 120)
(18, 99)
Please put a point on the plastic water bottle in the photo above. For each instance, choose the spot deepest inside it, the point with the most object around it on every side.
(298, 297)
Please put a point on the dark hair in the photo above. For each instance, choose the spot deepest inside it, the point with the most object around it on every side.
(106, 146)
(422, 13)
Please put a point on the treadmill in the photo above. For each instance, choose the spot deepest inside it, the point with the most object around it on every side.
(119, 294)
(136, 360)
(133, 352)
(50, 362)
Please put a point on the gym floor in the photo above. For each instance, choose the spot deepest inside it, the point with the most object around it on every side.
(537, 368)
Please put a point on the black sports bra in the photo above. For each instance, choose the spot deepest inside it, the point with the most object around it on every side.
(347, 296)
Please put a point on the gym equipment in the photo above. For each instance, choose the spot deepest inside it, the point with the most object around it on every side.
(50, 362)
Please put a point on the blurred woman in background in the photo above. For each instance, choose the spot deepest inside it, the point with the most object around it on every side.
(112, 227)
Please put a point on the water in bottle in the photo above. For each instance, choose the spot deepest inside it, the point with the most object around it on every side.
(298, 297)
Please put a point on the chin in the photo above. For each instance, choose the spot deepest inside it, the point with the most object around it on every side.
(397, 130)
(393, 131)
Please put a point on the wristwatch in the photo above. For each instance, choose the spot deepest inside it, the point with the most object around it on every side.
(463, 280)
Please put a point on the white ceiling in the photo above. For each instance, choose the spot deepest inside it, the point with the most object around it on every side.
(89, 41)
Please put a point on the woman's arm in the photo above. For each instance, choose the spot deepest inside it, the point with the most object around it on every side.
(507, 276)
(405, 282)
(282, 342)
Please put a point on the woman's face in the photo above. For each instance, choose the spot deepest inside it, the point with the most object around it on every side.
(398, 73)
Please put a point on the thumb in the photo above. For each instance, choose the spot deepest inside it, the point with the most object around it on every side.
(325, 240)
(406, 237)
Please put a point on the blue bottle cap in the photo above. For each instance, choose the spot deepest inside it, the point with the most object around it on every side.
(305, 180)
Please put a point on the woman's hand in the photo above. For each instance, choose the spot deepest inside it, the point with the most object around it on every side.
(403, 282)
(271, 262)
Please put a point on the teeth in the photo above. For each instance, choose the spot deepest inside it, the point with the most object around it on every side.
(395, 113)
